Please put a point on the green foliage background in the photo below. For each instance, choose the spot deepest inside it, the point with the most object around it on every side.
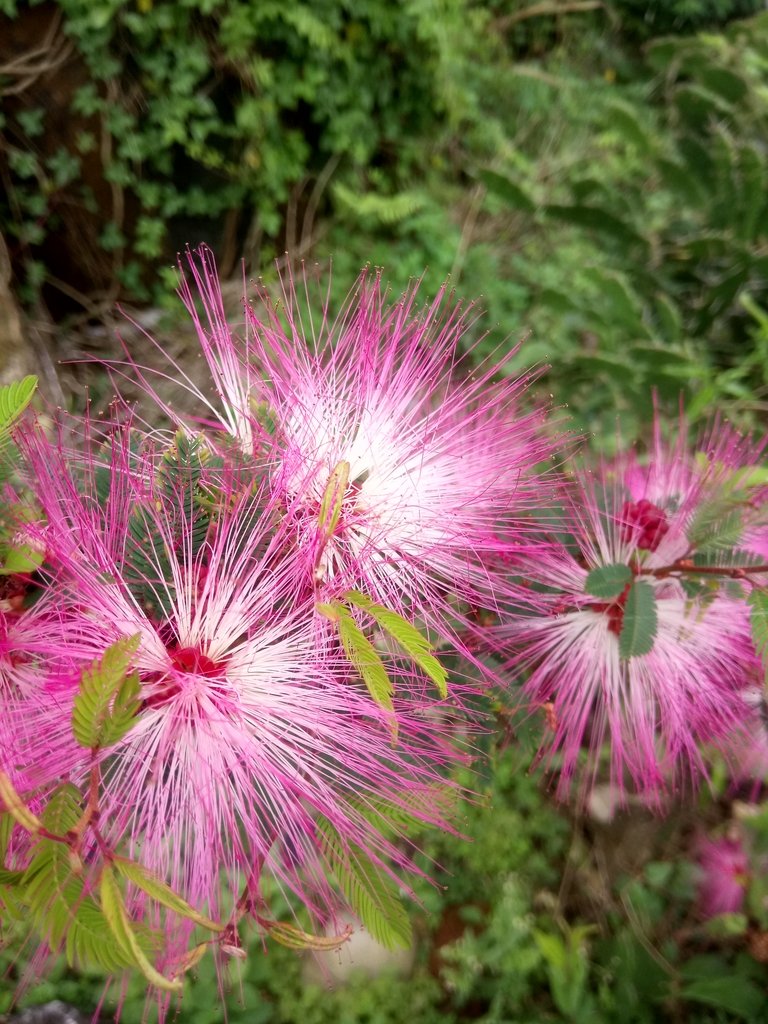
(599, 179)
(600, 187)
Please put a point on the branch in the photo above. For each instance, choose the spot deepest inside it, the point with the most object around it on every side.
(685, 565)
(546, 9)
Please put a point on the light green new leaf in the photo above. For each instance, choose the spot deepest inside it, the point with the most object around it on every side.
(125, 707)
(14, 398)
(412, 640)
(638, 628)
(333, 498)
(21, 558)
(608, 580)
(120, 925)
(363, 655)
(163, 893)
(107, 701)
(369, 891)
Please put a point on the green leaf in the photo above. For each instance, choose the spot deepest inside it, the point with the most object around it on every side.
(333, 498)
(413, 642)
(744, 999)
(15, 806)
(369, 891)
(291, 937)
(365, 658)
(758, 617)
(6, 828)
(622, 117)
(56, 898)
(120, 925)
(163, 893)
(107, 702)
(608, 580)
(718, 523)
(507, 190)
(638, 628)
(14, 398)
(594, 218)
(21, 558)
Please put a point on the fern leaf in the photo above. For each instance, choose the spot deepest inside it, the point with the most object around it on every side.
(107, 701)
(369, 892)
(59, 906)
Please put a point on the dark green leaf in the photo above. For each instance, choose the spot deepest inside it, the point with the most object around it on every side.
(742, 998)
(595, 218)
(638, 628)
(758, 617)
(608, 580)
(507, 190)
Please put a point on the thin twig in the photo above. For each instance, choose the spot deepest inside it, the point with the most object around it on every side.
(546, 9)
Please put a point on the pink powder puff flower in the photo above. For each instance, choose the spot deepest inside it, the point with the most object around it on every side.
(253, 726)
(655, 707)
(723, 876)
(405, 474)
(675, 496)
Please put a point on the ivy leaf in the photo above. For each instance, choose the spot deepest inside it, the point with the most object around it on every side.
(413, 642)
(368, 890)
(608, 580)
(638, 628)
(163, 893)
(120, 925)
(107, 701)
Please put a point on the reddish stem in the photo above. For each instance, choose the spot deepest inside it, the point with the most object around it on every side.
(685, 565)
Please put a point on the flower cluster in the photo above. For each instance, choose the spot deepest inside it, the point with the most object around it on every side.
(240, 659)
(236, 636)
(643, 639)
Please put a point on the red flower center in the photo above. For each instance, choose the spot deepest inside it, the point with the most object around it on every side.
(613, 609)
(190, 659)
(187, 660)
(645, 523)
